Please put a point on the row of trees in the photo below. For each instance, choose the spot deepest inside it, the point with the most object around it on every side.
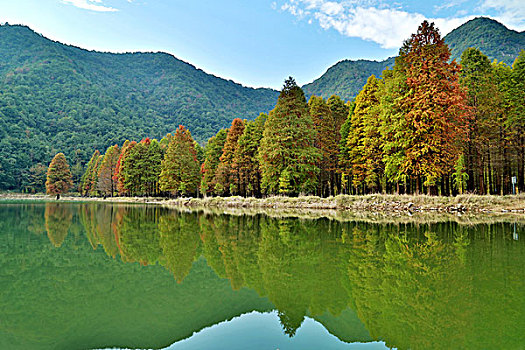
(148, 167)
(428, 124)
(435, 123)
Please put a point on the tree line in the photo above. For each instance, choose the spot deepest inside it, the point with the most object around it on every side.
(429, 125)
(57, 98)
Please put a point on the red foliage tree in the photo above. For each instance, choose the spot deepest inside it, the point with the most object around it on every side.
(436, 107)
(227, 172)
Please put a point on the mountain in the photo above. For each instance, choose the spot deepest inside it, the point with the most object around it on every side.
(346, 78)
(491, 37)
(60, 98)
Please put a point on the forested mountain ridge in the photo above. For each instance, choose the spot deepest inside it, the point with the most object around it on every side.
(59, 98)
(346, 78)
(489, 36)
(55, 97)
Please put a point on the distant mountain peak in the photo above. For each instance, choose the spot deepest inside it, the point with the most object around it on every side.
(493, 38)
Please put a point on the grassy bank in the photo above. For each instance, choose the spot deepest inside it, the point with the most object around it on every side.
(465, 210)
(368, 203)
(373, 203)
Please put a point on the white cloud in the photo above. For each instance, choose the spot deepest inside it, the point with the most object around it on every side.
(93, 5)
(332, 8)
(445, 5)
(387, 27)
(374, 20)
(509, 12)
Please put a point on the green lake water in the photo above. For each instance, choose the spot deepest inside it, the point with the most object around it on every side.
(97, 276)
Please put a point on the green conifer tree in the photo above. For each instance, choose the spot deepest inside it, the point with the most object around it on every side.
(213, 152)
(58, 176)
(482, 96)
(344, 167)
(180, 167)
(85, 180)
(106, 185)
(325, 142)
(246, 157)
(93, 177)
(288, 143)
(142, 168)
(363, 148)
(394, 123)
(340, 112)
(227, 174)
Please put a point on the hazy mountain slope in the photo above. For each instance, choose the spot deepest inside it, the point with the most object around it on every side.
(55, 97)
(346, 78)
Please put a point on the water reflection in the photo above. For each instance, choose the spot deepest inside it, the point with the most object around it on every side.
(413, 286)
(58, 219)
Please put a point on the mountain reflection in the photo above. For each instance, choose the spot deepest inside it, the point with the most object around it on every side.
(423, 286)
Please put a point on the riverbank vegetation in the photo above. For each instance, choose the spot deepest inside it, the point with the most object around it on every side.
(388, 204)
(428, 126)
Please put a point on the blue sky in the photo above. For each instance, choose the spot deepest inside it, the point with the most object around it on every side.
(253, 42)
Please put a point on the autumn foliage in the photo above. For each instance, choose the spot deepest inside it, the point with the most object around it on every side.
(58, 176)
(427, 124)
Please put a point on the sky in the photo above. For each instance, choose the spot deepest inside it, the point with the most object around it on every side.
(257, 43)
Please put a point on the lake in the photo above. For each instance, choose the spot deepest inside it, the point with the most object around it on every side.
(97, 275)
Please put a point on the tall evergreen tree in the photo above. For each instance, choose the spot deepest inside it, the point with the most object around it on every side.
(227, 175)
(180, 167)
(86, 180)
(394, 123)
(106, 185)
(363, 140)
(372, 143)
(58, 176)
(436, 107)
(340, 112)
(478, 78)
(500, 157)
(212, 152)
(93, 177)
(287, 155)
(325, 142)
(246, 157)
(344, 168)
(141, 168)
(120, 169)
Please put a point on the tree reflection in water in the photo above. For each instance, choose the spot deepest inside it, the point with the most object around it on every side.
(414, 286)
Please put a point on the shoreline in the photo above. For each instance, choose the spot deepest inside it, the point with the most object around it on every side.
(374, 203)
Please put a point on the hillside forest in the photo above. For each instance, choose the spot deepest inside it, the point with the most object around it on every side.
(59, 98)
(428, 125)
